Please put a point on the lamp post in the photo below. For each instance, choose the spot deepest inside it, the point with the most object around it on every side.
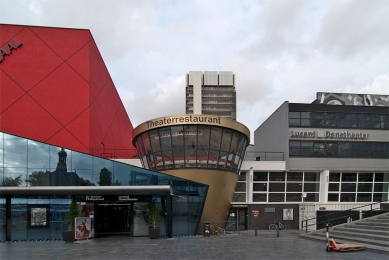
(303, 196)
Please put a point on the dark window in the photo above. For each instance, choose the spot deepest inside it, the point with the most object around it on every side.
(294, 187)
(259, 186)
(348, 187)
(349, 177)
(333, 197)
(260, 176)
(240, 186)
(334, 176)
(347, 197)
(277, 176)
(365, 177)
(276, 187)
(276, 197)
(259, 197)
(364, 197)
(333, 187)
(293, 197)
(295, 176)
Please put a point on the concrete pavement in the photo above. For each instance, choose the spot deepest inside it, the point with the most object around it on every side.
(266, 245)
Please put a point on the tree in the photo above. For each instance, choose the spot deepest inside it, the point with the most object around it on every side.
(37, 179)
(86, 182)
(71, 215)
(105, 177)
(12, 182)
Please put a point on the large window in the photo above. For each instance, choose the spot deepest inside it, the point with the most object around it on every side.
(190, 146)
(339, 120)
(358, 187)
(338, 149)
(285, 186)
(240, 189)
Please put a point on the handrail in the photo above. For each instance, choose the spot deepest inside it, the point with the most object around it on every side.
(228, 226)
(327, 221)
(264, 156)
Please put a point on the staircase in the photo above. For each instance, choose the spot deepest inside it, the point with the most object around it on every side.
(373, 233)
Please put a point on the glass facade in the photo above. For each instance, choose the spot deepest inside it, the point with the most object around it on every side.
(358, 187)
(338, 120)
(189, 146)
(27, 163)
(338, 149)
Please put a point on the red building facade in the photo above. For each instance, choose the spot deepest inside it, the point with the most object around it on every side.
(56, 89)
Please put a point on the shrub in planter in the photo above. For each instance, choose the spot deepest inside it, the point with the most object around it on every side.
(152, 221)
(71, 215)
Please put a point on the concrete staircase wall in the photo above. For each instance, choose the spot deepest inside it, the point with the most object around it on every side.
(372, 233)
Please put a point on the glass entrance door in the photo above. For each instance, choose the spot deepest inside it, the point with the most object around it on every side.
(238, 216)
(113, 219)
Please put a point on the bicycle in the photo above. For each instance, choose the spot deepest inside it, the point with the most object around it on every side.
(276, 225)
(220, 231)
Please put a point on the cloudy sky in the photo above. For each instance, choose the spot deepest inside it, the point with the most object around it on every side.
(279, 50)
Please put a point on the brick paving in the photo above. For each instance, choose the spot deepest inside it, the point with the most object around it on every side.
(266, 245)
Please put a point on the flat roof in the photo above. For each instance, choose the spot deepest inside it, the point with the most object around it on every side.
(90, 190)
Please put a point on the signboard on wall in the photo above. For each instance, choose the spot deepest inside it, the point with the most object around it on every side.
(255, 213)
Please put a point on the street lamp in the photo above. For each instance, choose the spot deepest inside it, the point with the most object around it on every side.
(303, 196)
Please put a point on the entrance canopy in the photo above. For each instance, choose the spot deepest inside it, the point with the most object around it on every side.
(90, 190)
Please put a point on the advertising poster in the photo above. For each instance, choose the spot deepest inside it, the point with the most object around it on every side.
(83, 227)
(288, 214)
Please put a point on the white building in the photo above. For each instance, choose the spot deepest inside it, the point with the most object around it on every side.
(211, 93)
(334, 152)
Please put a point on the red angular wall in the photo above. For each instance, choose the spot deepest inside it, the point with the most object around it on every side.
(56, 89)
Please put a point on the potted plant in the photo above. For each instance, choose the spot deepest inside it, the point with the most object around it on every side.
(71, 215)
(152, 220)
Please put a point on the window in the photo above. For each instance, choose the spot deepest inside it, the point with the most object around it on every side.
(338, 149)
(357, 187)
(338, 120)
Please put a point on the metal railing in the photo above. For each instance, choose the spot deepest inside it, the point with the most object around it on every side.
(264, 156)
(115, 153)
(350, 215)
(230, 227)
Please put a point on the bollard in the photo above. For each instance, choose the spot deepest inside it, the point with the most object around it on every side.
(256, 230)
(278, 231)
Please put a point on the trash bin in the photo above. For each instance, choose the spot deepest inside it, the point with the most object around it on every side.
(207, 229)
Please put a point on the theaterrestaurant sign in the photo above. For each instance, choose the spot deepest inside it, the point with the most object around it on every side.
(183, 119)
(328, 135)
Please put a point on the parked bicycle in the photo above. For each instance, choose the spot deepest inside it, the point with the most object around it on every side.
(277, 224)
(218, 230)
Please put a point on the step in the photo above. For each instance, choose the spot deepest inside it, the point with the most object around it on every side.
(377, 220)
(374, 224)
(356, 229)
(352, 240)
(382, 237)
(380, 227)
(383, 249)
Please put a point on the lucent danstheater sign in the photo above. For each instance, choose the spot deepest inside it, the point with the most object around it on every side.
(9, 46)
(328, 135)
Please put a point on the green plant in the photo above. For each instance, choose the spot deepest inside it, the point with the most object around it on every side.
(71, 215)
(154, 216)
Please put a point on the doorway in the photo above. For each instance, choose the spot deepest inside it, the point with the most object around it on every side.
(113, 219)
(238, 216)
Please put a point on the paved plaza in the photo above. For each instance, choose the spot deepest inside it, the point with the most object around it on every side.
(266, 245)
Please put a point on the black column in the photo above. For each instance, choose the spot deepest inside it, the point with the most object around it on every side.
(169, 215)
(8, 220)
